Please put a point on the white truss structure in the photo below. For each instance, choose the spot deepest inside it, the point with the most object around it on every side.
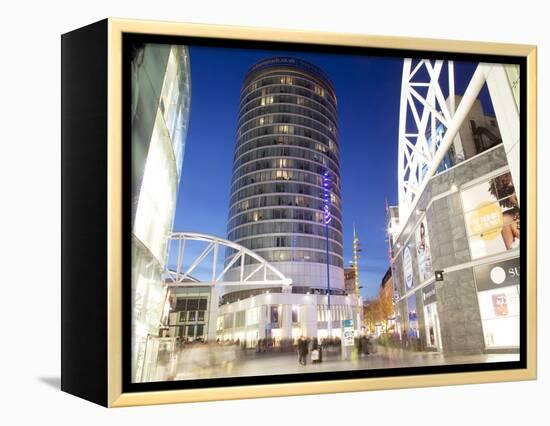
(262, 273)
(423, 114)
(428, 123)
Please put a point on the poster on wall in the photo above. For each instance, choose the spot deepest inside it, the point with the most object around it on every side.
(348, 333)
(423, 255)
(500, 305)
(491, 212)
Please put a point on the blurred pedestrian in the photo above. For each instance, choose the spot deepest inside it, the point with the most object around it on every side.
(316, 351)
(302, 350)
(364, 344)
(405, 339)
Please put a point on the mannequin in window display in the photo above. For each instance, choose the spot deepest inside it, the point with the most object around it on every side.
(502, 188)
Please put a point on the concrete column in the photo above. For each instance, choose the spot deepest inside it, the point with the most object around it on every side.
(310, 318)
(507, 113)
(286, 332)
(262, 320)
(213, 314)
(358, 310)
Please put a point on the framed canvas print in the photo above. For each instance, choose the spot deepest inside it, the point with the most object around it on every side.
(253, 212)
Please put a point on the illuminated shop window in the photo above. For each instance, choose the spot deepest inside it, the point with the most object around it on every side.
(499, 309)
(295, 313)
(200, 330)
(228, 321)
(240, 319)
(252, 316)
(274, 314)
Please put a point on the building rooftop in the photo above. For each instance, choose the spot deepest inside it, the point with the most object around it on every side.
(289, 61)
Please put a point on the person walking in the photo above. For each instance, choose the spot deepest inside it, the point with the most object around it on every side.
(364, 345)
(316, 352)
(302, 350)
(405, 339)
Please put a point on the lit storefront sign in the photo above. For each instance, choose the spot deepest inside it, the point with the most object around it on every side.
(429, 295)
(497, 275)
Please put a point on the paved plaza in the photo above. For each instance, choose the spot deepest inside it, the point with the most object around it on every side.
(207, 363)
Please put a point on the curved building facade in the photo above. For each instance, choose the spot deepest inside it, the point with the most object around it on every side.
(285, 187)
(161, 101)
(286, 149)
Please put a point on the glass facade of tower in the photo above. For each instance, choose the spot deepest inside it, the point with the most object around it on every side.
(287, 139)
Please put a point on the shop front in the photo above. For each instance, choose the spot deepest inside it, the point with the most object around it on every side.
(498, 296)
(431, 318)
(466, 226)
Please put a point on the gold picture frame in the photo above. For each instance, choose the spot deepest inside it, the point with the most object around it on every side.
(114, 396)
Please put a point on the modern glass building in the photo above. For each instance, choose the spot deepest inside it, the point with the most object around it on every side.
(161, 97)
(285, 185)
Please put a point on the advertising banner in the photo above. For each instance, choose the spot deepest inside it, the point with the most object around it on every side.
(492, 217)
(407, 267)
(423, 254)
(347, 333)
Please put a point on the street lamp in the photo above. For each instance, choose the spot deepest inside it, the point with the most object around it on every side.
(356, 251)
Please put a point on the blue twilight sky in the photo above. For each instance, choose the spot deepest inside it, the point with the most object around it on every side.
(368, 91)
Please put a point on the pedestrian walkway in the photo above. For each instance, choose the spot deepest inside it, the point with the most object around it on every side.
(255, 364)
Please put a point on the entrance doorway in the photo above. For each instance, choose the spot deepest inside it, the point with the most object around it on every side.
(433, 331)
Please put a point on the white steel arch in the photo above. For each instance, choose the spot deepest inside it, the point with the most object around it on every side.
(179, 276)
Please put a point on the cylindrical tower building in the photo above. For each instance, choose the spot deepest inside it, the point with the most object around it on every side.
(287, 141)
(285, 196)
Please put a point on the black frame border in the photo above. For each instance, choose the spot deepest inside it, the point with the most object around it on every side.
(128, 39)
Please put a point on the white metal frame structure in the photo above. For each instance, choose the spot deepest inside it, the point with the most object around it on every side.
(180, 276)
(423, 108)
